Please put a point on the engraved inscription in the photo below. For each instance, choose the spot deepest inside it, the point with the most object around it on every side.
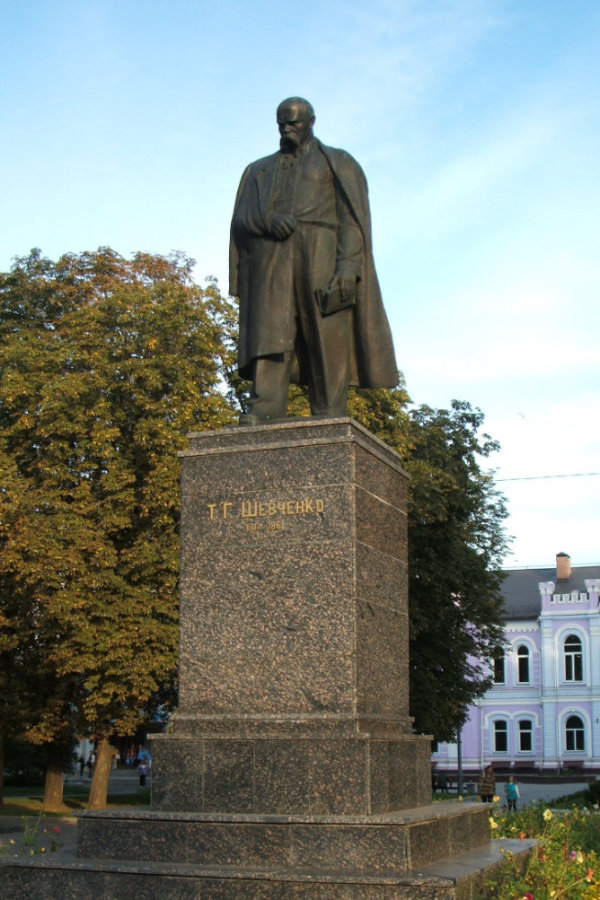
(251, 509)
(265, 526)
(263, 509)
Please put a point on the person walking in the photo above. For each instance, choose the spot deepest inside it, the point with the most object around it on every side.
(511, 789)
(487, 785)
(142, 772)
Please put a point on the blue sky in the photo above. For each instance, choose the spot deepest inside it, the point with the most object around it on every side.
(129, 123)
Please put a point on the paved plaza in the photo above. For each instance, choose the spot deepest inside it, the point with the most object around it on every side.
(542, 792)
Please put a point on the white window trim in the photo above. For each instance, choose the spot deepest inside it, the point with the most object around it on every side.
(517, 646)
(531, 722)
(566, 633)
(584, 718)
(494, 682)
(493, 723)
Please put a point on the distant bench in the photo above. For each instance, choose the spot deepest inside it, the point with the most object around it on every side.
(446, 784)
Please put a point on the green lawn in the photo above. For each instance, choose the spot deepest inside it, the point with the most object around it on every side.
(27, 801)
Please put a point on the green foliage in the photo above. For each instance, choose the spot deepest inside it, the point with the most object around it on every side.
(456, 545)
(563, 864)
(24, 763)
(105, 366)
(385, 413)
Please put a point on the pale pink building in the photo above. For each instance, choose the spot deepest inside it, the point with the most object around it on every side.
(543, 710)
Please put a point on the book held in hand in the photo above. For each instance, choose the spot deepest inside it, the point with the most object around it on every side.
(333, 301)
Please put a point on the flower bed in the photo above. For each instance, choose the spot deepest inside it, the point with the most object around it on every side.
(565, 863)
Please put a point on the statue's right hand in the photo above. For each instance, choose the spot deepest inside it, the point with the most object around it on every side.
(282, 225)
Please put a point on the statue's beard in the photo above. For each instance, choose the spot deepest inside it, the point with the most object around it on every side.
(288, 143)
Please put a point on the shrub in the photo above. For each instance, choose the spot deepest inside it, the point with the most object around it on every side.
(592, 795)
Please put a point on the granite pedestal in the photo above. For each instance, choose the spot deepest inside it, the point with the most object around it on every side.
(293, 686)
(291, 769)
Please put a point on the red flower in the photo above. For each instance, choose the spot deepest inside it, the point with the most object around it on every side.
(590, 875)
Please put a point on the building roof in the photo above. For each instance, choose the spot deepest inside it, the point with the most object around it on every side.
(522, 599)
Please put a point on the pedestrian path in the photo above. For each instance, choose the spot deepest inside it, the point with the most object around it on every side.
(542, 792)
(125, 780)
(531, 791)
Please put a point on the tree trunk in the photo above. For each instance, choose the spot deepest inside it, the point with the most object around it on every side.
(99, 785)
(54, 781)
(53, 790)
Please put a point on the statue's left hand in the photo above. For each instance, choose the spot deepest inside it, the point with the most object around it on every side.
(346, 282)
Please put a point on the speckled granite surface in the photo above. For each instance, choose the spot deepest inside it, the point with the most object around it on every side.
(293, 580)
(65, 877)
(397, 842)
(293, 687)
(315, 775)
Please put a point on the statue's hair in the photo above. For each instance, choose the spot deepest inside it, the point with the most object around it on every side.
(303, 104)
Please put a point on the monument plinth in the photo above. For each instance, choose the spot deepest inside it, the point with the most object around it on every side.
(293, 684)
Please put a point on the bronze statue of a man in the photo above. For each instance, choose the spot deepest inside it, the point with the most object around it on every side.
(302, 266)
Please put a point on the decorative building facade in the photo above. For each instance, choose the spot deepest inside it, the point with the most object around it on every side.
(543, 710)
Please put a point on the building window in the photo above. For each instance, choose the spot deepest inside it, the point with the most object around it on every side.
(574, 734)
(498, 670)
(523, 664)
(500, 736)
(525, 736)
(573, 658)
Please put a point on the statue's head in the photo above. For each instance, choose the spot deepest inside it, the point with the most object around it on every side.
(295, 120)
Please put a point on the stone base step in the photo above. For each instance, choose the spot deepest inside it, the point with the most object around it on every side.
(398, 841)
(66, 877)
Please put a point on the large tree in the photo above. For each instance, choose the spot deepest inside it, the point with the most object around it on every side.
(456, 546)
(105, 366)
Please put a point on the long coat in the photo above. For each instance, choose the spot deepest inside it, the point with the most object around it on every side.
(487, 784)
(257, 275)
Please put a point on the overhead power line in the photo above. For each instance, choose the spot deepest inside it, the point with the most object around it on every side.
(540, 477)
